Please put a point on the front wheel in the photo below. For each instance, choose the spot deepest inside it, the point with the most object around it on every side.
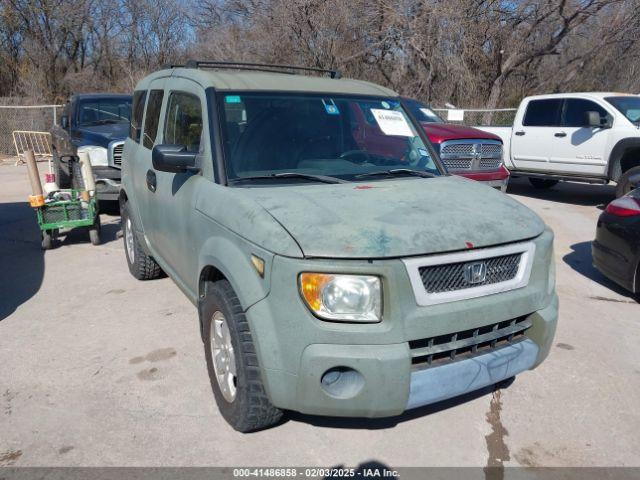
(141, 265)
(625, 185)
(94, 232)
(47, 240)
(232, 362)
(542, 183)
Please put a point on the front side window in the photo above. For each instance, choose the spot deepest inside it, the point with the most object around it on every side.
(543, 113)
(152, 118)
(183, 124)
(104, 111)
(340, 137)
(628, 105)
(139, 98)
(575, 112)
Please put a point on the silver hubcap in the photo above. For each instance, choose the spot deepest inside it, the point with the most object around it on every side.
(128, 239)
(224, 359)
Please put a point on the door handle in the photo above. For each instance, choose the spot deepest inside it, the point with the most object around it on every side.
(151, 180)
(560, 134)
(520, 133)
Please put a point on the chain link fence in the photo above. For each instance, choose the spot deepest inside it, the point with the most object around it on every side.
(499, 117)
(22, 117)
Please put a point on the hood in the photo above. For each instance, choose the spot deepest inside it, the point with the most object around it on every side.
(100, 135)
(441, 132)
(397, 218)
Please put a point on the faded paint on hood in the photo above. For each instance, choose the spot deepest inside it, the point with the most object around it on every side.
(396, 218)
(441, 132)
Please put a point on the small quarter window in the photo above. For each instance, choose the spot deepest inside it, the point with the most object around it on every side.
(543, 113)
(152, 118)
(139, 98)
(183, 124)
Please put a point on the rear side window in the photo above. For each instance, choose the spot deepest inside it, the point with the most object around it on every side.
(543, 113)
(183, 125)
(136, 115)
(152, 119)
(575, 112)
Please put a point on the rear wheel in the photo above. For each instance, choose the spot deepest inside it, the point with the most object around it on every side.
(47, 240)
(232, 362)
(94, 232)
(542, 183)
(141, 265)
(624, 185)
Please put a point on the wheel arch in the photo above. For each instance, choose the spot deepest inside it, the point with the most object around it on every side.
(622, 157)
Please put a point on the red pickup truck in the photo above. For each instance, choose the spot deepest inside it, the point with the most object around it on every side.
(465, 151)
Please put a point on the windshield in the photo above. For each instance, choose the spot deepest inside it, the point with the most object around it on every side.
(296, 137)
(628, 105)
(422, 113)
(104, 111)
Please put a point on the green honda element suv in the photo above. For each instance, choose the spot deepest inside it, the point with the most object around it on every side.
(336, 267)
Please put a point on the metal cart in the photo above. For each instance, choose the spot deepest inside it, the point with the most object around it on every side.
(66, 215)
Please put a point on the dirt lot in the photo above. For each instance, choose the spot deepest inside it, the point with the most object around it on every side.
(97, 368)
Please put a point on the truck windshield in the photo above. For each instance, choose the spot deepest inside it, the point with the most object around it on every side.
(628, 105)
(104, 111)
(422, 112)
(292, 138)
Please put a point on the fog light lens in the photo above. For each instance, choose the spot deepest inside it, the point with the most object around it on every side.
(343, 297)
(342, 382)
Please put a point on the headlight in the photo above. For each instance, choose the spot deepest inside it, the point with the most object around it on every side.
(356, 298)
(97, 155)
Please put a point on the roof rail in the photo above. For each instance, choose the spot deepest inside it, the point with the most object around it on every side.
(261, 67)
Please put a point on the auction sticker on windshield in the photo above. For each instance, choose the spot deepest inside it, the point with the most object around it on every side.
(392, 122)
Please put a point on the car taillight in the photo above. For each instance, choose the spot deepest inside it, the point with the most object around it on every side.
(624, 207)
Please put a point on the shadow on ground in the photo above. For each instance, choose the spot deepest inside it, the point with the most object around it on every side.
(21, 258)
(565, 192)
(390, 422)
(581, 261)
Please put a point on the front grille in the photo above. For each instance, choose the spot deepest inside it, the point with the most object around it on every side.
(471, 155)
(453, 276)
(117, 154)
(457, 163)
(490, 163)
(492, 150)
(435, 351)
(458, 149)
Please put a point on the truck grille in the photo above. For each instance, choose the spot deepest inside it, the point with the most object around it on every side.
(471, 155)
(117, 154)
(456, 276)
(434, 351)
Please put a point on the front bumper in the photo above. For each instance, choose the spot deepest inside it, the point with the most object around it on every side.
(296, 350)
(107, 181)
(498, 179)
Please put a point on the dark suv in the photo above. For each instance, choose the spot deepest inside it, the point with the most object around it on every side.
(96, 124)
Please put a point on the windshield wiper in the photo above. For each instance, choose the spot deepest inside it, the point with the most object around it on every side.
(397, 171)
(306, 176)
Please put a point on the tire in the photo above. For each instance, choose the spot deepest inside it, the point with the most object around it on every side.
(47, 240)
(542, 183)
(240, 393)
(94, 232)
(624, 185)
(141, 265)
(62, 178)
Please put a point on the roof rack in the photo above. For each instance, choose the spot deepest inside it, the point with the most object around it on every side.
(261, 67)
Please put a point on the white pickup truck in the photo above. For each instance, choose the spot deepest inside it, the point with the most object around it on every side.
(583, 137)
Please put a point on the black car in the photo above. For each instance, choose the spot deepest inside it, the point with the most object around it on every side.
(616, 249)
(97, 124)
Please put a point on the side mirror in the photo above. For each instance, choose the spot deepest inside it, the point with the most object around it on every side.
(64, 122)
(635, 181)
(174, 159)
(594, 120)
